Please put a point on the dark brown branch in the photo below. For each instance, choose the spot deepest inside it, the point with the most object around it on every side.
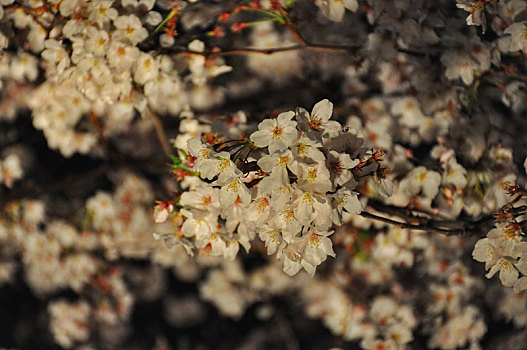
(268, 51)
(160, 132)
(421, 223)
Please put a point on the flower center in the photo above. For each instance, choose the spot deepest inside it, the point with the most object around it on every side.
(206, 201)
(262, 204)
(313, 241)
(277, 131)
(337, 167)
(302, 149)
(312, 175)
(283, 161)
(315, 123)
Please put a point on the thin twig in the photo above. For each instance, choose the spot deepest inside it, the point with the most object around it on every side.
(414, 222)
(160, 132)
(268, 51)
(419, 227)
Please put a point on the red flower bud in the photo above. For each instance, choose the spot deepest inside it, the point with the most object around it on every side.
(217, 32)
(224, 17)
(238, 27)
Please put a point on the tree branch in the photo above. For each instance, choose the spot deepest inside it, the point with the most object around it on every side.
(160, 132)
(267, 51)
(421, 223)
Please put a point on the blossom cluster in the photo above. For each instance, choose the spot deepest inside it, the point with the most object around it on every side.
(301, 185)
(504, 250)
(97, 77)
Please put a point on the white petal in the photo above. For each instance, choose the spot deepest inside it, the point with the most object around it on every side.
(508, 274)
(310, 269)
(520, 285)
(291, 267)
(285, 117)
(261, 138)
(323, 110)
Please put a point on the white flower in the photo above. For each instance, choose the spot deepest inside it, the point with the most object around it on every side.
(278, 134)
(69, 322)
(314, 178)
(506, 237)
(121, 56)
(463, 64)
(421, 179)
(317, 123)
(25, 66)
(310, 207)
(34, 212)
(101, 12)
(476, 10)
(511, 9)
(508, 273)
(293, 259)
(308, 149)
(347, 143)
(334, 9)
(96, 41)
(55, 53)
(204, 198)
(400, 333)
(222, 166)
(318, 247)
(347, 200)
(146, 69)
(153, 18)
(271, 237)
(454, 174)
(231, 250)
(102, 209)
(279, 163)
(287, 223)
(36, 37)
(281, 195)
(259, 210)
(11, 170)
(485, 252)
(229, 193)
(408, 109)
(129, 30)
(235, 215)
(340, 165)
(372, 343)
(69, 7)
(73, 28)
(145, 4)
(199, 150)
(201, 227)
(162, 211)
(517, 40)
